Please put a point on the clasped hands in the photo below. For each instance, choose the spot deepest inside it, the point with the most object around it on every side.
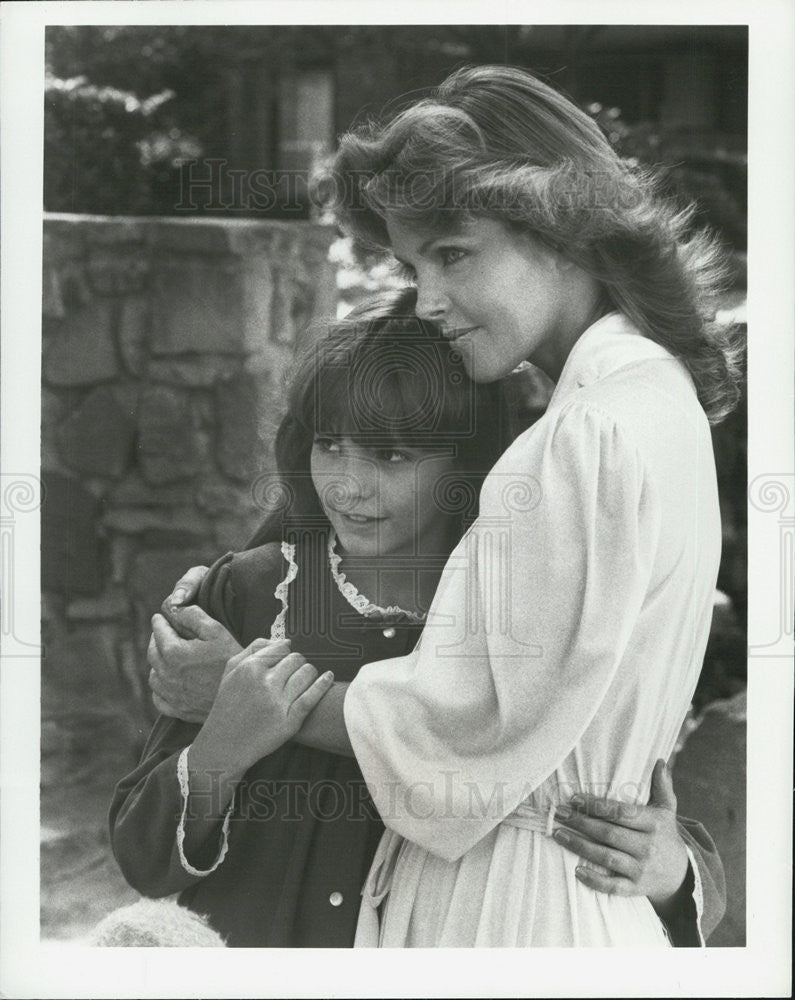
(249, 701)
(209, 678)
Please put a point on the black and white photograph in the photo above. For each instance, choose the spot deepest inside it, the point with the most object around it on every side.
(398, 502)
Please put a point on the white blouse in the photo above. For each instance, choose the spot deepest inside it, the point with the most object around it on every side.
(560, 655)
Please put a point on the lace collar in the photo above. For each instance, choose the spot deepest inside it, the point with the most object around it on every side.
(357, 600)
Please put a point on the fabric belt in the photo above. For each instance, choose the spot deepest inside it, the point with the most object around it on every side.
(379, 880)
(528, 817)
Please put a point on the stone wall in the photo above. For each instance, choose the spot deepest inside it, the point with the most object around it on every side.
(165, 345)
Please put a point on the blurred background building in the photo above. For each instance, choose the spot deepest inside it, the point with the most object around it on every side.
(185, 262)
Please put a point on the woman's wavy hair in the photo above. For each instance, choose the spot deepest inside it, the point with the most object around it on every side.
(494, 141)
(388, 380)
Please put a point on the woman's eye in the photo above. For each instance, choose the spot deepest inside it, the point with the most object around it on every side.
(327, 444)
(451, 255)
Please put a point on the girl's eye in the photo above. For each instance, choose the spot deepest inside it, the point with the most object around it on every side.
(391, 455)
(451, 255)
(327, 444)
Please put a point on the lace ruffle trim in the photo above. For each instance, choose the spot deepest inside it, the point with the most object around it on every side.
(356, 600)
(282, 590)
(182, 775)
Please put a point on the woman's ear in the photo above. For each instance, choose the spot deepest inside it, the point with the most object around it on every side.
(562, 263)
(555, 260)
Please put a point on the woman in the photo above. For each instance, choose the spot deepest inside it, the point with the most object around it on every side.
(568, 629)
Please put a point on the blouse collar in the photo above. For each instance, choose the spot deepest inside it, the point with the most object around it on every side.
(612, 342)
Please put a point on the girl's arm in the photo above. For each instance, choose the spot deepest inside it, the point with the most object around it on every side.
(169, 818)
(171, 789)
(325, 727)
(145, 814)
(263, 699)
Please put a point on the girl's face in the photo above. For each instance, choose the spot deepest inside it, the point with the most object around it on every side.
(380, 501)
(499, 295)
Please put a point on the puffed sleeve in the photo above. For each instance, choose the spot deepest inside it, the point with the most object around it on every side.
(530, 620)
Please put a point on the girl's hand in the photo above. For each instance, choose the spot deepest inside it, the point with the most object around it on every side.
(639, 844)
(262, 701)
(185, 673)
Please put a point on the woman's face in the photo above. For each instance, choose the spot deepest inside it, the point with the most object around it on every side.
(498, 294)
(380, 501)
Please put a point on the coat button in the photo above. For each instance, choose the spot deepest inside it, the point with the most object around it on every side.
(335, 899)
(389, 633)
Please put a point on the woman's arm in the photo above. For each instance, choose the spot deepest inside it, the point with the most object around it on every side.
(184, 674)
(650, 851)
(653, 851)
(192, 643)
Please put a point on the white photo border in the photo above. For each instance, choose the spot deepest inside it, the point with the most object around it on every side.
(762, 968)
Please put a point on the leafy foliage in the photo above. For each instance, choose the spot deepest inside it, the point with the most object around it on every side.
(125, 105)
(106, 151)
(693, 168)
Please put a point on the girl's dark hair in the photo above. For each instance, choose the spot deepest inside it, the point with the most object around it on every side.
(494, 141)
(386, 379)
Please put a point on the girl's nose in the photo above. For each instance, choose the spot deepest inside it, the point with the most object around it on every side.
(358, 480)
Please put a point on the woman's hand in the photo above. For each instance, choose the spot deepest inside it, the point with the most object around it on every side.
(185, 591)
(640, 845)
(264, 697)
(185, 673)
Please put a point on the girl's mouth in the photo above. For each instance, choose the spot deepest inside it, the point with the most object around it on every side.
(457, 334)
(359, 518)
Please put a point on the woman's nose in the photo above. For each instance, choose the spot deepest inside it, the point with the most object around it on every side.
(431, 300)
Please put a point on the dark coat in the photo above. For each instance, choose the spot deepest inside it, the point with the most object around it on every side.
(304, 830)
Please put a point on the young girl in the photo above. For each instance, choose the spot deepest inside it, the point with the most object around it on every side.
(381, 455)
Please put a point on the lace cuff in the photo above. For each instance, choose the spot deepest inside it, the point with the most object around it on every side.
(698, 896)
(182, 775)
